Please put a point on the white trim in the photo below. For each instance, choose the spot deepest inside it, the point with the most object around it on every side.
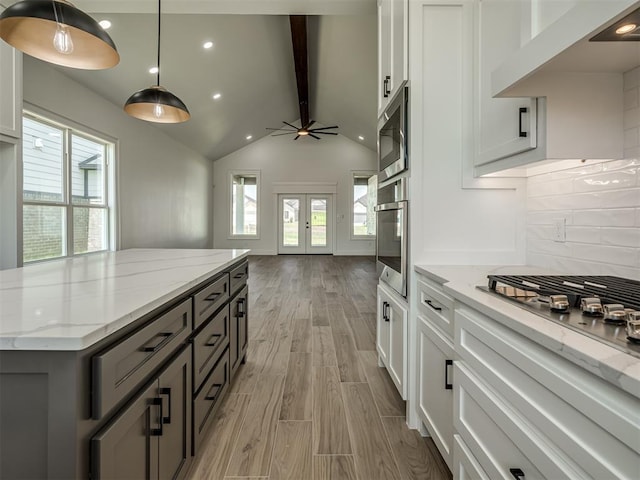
(305, 187)
(247, 173)
(354, 174)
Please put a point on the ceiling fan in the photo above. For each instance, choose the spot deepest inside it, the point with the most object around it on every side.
(299, 41)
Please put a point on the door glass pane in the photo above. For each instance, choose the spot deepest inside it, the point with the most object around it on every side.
(318, 222)
(43, 232)
(290, 217)
(42, 153)
(87, 171)
(89, 229)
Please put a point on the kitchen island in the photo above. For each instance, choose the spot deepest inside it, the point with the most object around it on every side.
(529, 396)
(105, 358)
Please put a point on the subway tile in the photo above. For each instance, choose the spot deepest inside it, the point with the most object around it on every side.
(605, 254)
(638, 217)
(555, 187)
(547, 218)
(549, 247)
(631, 98)
(631, 137)
(591, 235)
(632, 117)
(618, 199)
(617, 179)
(621, 217)
(622, 237)
(633, 152)
(540, 232)
(631, 79)
(620, 164)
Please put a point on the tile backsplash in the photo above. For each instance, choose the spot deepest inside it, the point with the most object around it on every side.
(587, 219)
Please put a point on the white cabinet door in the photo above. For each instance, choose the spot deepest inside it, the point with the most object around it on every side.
(10, 91)
(504, 126)
(391, 338)
(384, 52)
(398, 52)
(435, 386)
(465, 466)
(392, 48)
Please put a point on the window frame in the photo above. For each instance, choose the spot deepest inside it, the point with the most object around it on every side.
(230, 177)
(70, 130)
(357, 174)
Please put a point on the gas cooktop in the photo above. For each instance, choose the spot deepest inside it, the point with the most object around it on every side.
(602, 307)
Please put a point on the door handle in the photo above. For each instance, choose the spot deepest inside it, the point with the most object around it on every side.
(447, 384)
(165, 420)
(521, 111)
(157, 432)
(240, 310)
(385, 315)
(517, 473)
(385, 86)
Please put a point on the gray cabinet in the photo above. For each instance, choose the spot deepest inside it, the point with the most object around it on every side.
(151, 438)
(239, 324)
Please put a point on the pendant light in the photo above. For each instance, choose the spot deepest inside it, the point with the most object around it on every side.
(156, 104)
(57, 32)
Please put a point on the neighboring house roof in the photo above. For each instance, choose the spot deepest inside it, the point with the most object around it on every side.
(91, 163)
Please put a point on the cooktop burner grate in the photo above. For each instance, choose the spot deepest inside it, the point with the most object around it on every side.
(609, 289)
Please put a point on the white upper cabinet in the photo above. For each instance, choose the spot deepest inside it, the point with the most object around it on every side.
(503, 126)
(10, 91)
(392, 48)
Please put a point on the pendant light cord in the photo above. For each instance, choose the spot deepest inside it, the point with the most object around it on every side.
(158, 76)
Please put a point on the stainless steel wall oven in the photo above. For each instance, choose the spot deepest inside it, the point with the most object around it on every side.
(393, 155)
(392, 235)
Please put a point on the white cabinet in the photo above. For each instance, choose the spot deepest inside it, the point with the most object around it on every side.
(391, 337)
(10, 91)
(392, 48)
(520, 406)
(435, 386)
(503, 126)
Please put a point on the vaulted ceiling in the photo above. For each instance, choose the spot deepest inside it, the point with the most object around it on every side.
(250, 65)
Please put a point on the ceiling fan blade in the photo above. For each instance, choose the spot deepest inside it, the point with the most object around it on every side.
(299, 40)
(287, 129)
(324, 133)
(280, 134)
(297, 137)
(310, 123)
(312, 135)
(292, 126)
(323, 128)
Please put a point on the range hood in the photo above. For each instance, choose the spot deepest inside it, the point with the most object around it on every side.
(625, 30)
(565, 46)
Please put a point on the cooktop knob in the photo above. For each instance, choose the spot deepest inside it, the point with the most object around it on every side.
(614, 313)
(591, 306)
(558, 303)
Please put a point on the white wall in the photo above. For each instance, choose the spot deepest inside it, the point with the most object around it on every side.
(601, 206)
(164, 188)
(281, 159)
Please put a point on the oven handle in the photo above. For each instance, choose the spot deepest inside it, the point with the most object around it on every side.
(390, 206)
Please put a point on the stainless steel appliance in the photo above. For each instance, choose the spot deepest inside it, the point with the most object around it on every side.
(392, 136)
(603, 307)
(391, 238)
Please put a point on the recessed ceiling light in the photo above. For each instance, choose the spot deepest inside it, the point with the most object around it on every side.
(153, 70)
(249, 137)
(207, 45)
(216, 96)
(106, 24)
(629, 27)
(360, 137)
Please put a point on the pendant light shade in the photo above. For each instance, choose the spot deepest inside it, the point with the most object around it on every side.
(156, 104)
(57, 32)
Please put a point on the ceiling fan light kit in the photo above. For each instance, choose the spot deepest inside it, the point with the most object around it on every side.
(156, 104)
(57, 32)
(299, 41)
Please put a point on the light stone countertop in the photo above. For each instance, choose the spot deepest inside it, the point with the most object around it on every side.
(460, 282)
(72, 303)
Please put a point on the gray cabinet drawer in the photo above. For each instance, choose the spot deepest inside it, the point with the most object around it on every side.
(208, 344)
(207, 401)
(209, 299)
(119, 370)
(239, 276)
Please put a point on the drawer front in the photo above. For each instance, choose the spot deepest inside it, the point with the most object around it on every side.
(495, 435)
(239, 276)
(208, 344)
(589, 421)
(436, 306)
(209, 299)
(465, 466)
(207, 401)
(119, 370)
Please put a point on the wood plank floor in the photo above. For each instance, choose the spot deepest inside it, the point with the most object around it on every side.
(311, 403)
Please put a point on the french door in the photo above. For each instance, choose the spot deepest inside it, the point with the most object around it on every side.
(305, 223)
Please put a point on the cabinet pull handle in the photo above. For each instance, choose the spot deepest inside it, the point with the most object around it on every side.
(213, 297)
(238, 275)
(157, 432)
(165, 391)
(437, 309)
(447, 364)
(522, 111)
(240, 310)
(385, 316)
(165, 336)
(214, 397)
(213, 337)
(385, 86)
(517, 473)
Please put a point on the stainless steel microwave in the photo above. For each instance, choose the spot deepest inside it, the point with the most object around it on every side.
(392, 136)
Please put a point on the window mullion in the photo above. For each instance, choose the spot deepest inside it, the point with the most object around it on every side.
(69, 193)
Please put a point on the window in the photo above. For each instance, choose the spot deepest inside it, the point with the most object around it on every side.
(363, 223)
(65, 201)
(245, 193)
